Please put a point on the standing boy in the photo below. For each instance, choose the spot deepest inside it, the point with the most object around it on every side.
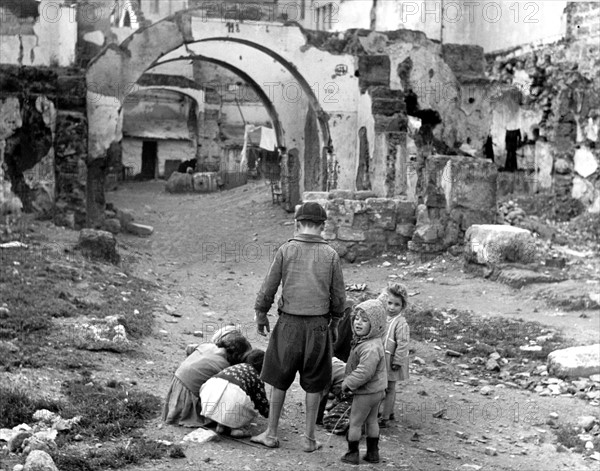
(312, 302)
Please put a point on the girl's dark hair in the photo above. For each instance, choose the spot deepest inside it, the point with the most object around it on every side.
(255, 358)
(236, 346)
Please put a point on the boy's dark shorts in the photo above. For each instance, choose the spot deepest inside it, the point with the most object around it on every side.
(299, 344)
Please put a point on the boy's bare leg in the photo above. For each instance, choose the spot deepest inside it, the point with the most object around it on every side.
(269, 436)
(312, 408)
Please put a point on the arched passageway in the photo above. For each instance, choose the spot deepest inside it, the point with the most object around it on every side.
(272, 56)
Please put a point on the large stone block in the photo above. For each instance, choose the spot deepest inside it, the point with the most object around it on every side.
(491, 243)
(406, 211)
(585, 162)
(364, 194)
(428, 233)
(575, 362)
(341, 194)
(382, 212)
(350, 234)
(98, 245)
(314, 195)
(405, 230)
(341, 212)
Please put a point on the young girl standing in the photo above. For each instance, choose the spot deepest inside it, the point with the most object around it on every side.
(395, 343)
(366, 379)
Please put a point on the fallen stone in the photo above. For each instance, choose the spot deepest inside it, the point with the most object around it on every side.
(595, 378)
(39, 460)
(486, 390)
(112, 225)
(586, 422)
(198, 333)
(492, 365)
(200, 436)
(462, 435)
(491, 451)
(556, 262)
(574, 362)
(585, 162)
(98, 245)
(493, 244)
(418, 361)
(16, 441)
(530, 348)
(139, 229)
(519, 277)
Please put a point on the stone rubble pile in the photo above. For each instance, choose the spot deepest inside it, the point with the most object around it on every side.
(37, 441)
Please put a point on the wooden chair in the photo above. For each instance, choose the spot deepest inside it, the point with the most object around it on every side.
(276, 192)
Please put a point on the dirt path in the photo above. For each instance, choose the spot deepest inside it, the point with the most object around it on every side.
(209, 254)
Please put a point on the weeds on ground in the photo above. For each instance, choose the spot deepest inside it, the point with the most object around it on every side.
(133, 452)
(39, 288)
(476, 336)
(109, 411)
(17, 406)
(568, 436)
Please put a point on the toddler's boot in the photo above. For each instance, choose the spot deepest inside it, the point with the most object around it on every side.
(372, 455)
(352, 456)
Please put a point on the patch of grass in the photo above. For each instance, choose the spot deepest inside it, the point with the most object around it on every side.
(109, 411)
(17, 406)
(133, 452)
(37, 287)
(476, 336)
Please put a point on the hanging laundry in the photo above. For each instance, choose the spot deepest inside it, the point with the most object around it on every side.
(268, 140)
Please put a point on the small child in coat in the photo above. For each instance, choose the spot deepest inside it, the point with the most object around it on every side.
(235, 396)
(182, 405)
(395, 342)
(366, 379)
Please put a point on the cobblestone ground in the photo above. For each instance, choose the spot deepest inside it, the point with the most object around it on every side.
(209, 254)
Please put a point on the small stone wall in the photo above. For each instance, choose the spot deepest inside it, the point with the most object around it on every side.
(458, 192)
(361, 226)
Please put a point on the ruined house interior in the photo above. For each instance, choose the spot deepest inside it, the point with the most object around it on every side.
(408, 125)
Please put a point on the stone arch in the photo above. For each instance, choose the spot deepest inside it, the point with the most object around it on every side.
(264, 98)
(118, 67)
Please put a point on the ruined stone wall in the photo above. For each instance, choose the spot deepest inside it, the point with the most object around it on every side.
(458, 192)
(560, 85)
(361, 226)
(44, 139)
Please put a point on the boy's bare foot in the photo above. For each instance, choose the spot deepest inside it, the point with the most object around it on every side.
(311, 444)
(266, 440)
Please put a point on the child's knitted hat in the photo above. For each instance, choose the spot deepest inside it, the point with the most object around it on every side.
(375, 312)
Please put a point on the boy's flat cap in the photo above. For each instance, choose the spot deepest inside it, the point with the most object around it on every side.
(311, 211)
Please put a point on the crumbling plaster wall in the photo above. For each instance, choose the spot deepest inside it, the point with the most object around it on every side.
(561, 98)
(44, 34)
(44, 139)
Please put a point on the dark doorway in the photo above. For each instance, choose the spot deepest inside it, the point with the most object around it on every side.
(363, 181)
(149, 159)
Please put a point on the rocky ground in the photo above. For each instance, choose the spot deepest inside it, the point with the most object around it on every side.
(205, 262)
